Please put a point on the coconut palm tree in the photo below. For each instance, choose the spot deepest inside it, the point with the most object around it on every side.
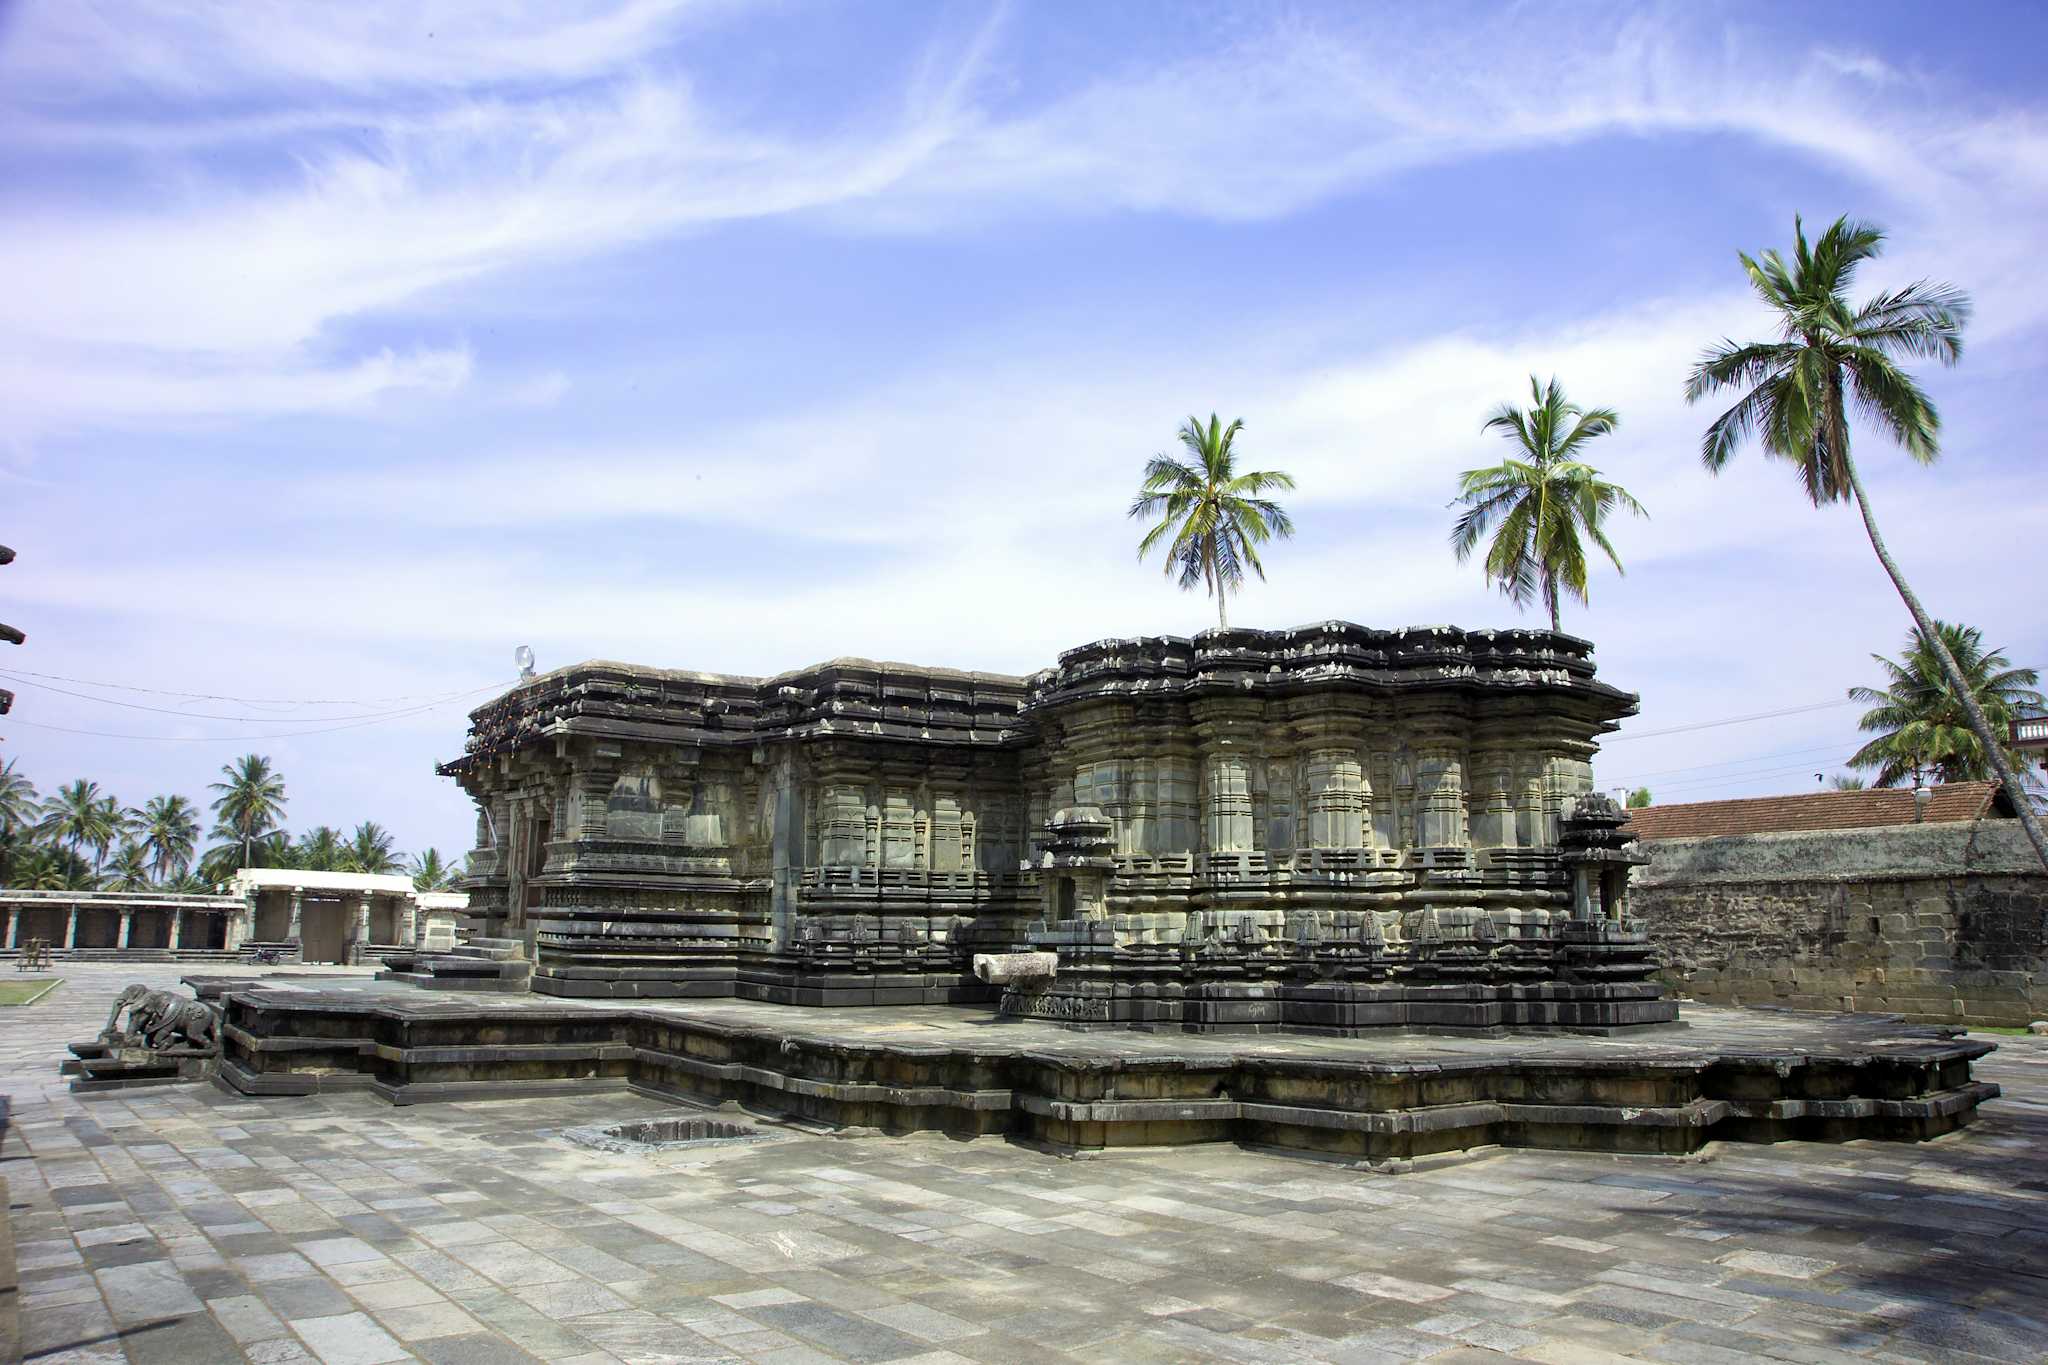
(1217, 517)
(1919, 722)
(369, 850)
(169, 826)
(320, 849)
(251, 800)
(79, 815)
(17, 848)
(1541, 504)
(430, 873)
(1830, 357)
(53, 868)
(130, 869)
(19, 807)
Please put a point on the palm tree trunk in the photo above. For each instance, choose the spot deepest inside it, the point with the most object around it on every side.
(1216, 586)
(1980, 726)
(1550, 595)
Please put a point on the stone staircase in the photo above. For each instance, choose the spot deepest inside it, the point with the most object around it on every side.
(482, 964)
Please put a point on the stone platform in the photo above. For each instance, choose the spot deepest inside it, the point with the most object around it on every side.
(1387, 1100)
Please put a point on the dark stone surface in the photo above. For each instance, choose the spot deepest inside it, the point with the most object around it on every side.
(1382, 1099)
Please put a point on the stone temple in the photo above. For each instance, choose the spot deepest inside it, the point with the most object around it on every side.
(1331, 828)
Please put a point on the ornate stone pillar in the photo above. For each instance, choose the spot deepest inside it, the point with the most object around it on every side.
(13, 928)
(177, 929)
(362, 941)
(239, 929)
(408, 922)
(1230, 804)
(127, 927)
(295, 931)
(71, 927)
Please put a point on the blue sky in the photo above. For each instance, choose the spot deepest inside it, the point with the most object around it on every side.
(348, 347)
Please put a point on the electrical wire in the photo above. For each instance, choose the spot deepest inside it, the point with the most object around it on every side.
(1638, 779)
(215, 715)
(355, 724)
(1764, 774)
(1731, 720)
(215, 696)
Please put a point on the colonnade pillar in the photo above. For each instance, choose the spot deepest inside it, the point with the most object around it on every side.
(13, 928)
(360, 947)
(296, 931)
(177, 929)
(71, 927)
(127, 928)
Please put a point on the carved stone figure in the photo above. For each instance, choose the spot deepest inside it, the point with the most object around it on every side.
(161, 1022)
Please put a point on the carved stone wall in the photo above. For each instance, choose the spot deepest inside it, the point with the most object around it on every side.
(665, 832)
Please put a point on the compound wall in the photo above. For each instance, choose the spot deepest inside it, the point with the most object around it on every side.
(1941, 923)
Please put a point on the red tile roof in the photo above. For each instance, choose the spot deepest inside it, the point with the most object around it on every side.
(1816, 810)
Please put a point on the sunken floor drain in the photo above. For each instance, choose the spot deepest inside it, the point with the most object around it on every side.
(664, 1135)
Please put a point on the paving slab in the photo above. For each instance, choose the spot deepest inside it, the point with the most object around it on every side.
(188, 1224)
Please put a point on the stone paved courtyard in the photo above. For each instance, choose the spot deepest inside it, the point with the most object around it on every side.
(186, 1224)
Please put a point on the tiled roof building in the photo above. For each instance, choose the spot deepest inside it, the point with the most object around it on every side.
(1818, 810)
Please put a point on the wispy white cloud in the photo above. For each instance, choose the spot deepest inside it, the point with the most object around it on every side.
(605, 145)
(71, 52)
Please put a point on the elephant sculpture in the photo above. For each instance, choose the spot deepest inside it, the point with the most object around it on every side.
(159, 1021)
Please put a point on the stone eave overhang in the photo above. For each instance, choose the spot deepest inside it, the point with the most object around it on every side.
(1332, 656)
(886, 702)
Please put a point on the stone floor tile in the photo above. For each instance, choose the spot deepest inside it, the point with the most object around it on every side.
(418, 1321)
(920, 1321)
(348, 1339)
(246, 1318)
(147, 1292)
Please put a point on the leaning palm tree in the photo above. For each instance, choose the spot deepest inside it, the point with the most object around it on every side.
(369, 850)
(1541, 504)
(1797, 392)
(1217, 517)
(78, 815)
(19, 807)
(1918, 720)
(251, 800)
(169, 826)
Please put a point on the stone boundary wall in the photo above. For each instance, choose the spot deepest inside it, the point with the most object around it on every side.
(1941, 923)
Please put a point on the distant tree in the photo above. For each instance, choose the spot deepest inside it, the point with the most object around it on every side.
(320, 849)
(17, 846)
(429, 873)
(1798, 391)
(130, 869)
(1639, 798)
(1543, 503)
(220, 862)
(52, 867)
(19, 808)
(370, 850)
(250, 803)
(1216, 517)
(81, 816)
(1921, 725)
(169, 829)
(1845, 782)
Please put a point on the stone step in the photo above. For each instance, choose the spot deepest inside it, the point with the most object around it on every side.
(490, 950)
